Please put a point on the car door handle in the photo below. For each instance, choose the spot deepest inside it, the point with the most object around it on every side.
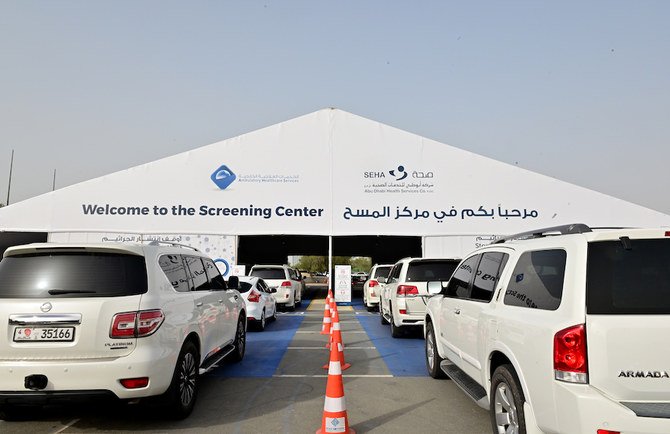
(457, 311)
(237, 297)
(198, 304)
(220, 301)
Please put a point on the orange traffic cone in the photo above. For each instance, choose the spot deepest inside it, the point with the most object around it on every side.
(336, 342)
(335, 419)
(327, 320)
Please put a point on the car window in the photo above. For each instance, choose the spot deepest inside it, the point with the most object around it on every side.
(244, 287)
(394, 276)
(262, 285)
(537, 280)
(268, 273)
(486, 277)
(431, 270)
(198, 274)
(72, 274)
(381, 272)
(175, 271)
(216, 280)
(459, 284)
(634, 281)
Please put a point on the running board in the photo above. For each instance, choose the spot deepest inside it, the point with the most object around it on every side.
(466, 383)
(212, 360)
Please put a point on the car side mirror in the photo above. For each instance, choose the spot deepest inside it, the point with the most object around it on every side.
(273, 290)
(381, 279)
(233, 282)
(435, 287)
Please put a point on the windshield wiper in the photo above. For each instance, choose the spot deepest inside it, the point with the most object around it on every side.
(69, 291)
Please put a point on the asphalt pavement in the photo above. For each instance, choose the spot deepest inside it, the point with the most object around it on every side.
(280, 386)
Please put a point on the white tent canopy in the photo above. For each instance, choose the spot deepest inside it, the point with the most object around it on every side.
(326, 173)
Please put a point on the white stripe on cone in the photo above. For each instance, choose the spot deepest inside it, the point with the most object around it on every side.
(334, 368)
(334, 405)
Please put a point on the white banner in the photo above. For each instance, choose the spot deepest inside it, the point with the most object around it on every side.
(326, 173)
(343, 283)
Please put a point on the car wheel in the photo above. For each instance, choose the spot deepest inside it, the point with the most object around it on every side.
(395, 330)
(382, 318)
(274, 314)
(298, 301)
(506, 408)
(433, 358)
(240, 341)
(261, 322)
(183, 390)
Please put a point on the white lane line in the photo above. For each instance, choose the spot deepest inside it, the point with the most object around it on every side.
(326, 376)
(68, 425)
(324, 348)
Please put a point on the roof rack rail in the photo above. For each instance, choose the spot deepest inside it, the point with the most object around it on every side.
(169, 243)
(575, 228)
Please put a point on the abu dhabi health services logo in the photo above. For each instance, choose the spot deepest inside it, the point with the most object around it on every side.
(223, 177)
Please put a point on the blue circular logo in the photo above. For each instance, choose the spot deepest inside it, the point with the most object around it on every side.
(225, 264)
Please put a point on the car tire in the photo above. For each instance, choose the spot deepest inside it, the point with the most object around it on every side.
(240, 342)
(382, 318)
(395, 330)
(506, 407)
(261, 322)
(183, 390)
(274, 314)
(298, 301)
(433, 358)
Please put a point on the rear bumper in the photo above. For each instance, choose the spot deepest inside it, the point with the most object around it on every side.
(590, 411)
(71, 379)
(61, 397)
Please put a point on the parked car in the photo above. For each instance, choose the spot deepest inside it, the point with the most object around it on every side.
(285, 279)
(372, 287)
(124, 321)
(560, 333)
(258, 297)
(404, 296)
(358, 278)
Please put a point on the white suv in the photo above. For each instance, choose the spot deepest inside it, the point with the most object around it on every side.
(562, 333)
(372, 287)
(113, 321)
(286, 279)
(404, 296)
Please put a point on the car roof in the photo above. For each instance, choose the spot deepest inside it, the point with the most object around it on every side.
(128, 248)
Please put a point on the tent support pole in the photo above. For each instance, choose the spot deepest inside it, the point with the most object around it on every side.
(330, 261)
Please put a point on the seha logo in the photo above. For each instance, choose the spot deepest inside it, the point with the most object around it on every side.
(644, 374)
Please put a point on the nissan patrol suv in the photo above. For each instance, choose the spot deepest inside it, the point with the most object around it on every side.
(560, 330)
(123, 321)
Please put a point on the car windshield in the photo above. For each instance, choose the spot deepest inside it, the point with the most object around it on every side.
(381, 272)
(629, 279)
(426, 271)
(268, 273)
(80, 274)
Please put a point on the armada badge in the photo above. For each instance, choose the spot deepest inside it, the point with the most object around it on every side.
(46, 307)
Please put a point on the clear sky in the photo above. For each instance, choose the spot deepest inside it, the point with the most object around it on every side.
(577, 90)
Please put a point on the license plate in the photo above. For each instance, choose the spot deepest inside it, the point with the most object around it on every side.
(44, 334)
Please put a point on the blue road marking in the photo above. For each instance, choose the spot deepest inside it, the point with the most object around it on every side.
(404, 357)
(264, 351)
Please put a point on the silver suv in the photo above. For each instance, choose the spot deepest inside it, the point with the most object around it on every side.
(125, 321)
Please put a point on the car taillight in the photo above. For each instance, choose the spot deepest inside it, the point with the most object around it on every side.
(135, 383)
(607, 431)
(405, 290)
(136, 324)
(570, 357)
(373, 283)
(254, 296)
(286, 283)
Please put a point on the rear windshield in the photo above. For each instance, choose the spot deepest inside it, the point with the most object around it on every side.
(244, 287)
(426, 271)
(58, 275)
(634, 281)
(381, 272)
(268, 273)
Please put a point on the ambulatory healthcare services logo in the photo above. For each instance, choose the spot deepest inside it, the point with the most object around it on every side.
(223, 177)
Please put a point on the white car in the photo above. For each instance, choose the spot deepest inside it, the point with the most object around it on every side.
(285, 279)
(258, 297)
(372, 287)
(113, 320)
(405, 293)
(560, 333)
